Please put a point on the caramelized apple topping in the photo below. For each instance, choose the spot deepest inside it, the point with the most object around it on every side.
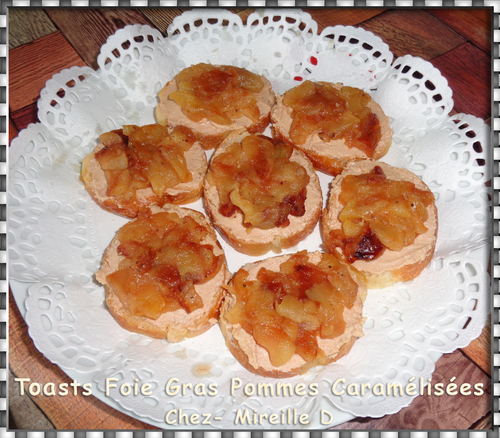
(333, 114)
(379, 213)
(221, 94)
(287, 311)
(162, 259)
(257, 178)
(135, 158)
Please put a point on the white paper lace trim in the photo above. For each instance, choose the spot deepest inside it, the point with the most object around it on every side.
(57, 235)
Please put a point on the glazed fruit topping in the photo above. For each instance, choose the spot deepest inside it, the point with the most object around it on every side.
(222, 94)
(288, 311)
(163, 257)
(333, 114)
(257, 178)
(379, 213)
(135, 158)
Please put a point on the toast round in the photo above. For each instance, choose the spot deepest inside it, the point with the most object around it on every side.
(330, 156)
(176, 325)
(209, 133)
(392, 266)
(256, 359)
(260, 241)
(96, 184)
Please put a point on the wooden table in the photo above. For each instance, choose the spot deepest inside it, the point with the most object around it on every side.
(74, 37)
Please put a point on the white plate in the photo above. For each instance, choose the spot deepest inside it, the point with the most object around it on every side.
(57, 235)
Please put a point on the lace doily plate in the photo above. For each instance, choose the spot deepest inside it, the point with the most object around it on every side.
(57, 235)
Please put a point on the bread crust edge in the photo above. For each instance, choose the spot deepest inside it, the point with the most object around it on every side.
(191, 192)
(265, 244)
(242, 357)
(388, 277)
(334, 165)
(172, 332)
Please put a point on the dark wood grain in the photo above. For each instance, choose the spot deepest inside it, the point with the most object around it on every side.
(468, 71)
(484, 423)
(13, 130)
(26, 25)
(162, 18)
(342, 16)
(414, 32)
(25, 84)
(24, 413)
(473, 24)
(98, 24)
(445, 37)
(479, 351)
(23, 117)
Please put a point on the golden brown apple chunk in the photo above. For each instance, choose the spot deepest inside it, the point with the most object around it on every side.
(257, 178)
(162, 259)
(135, 158)
(334, 114)
(288, 311)
(378, 213)
(221, 94)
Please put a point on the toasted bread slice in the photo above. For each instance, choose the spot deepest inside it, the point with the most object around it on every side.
(392, 266)
(254, 357)
(209, 133)
(258, 241)
(174, 326)
(95, 181)
(330, 156)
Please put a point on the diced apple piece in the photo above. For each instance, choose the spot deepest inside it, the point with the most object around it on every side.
(319, 107)
(391, 237)
(181, 137)
(277, 343)
(189, 298)
(322, 294)
(332, 328)
(300, 301)
(162, 176)
(258, 179)
(306, 346)
(236, 314)
(379, 213)
(178, 163)
(112, 138)
(184, 99)
(119, 184)
(112, 158)
(250, 81)
(291, 328)
(141, 297)
(220, 94)
(290, 307)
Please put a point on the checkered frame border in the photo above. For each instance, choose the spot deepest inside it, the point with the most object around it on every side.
(495, 229)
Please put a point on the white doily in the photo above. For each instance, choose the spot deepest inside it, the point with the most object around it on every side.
(57, 235)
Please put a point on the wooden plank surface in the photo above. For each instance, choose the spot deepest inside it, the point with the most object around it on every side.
(26, 25)
(479, 351)
(23, 117)
(98, 25)
(468, 70)
(25, 84)
(12, 130)
(78, 40)
(407, 32)
(472, 24)
(343, 16)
